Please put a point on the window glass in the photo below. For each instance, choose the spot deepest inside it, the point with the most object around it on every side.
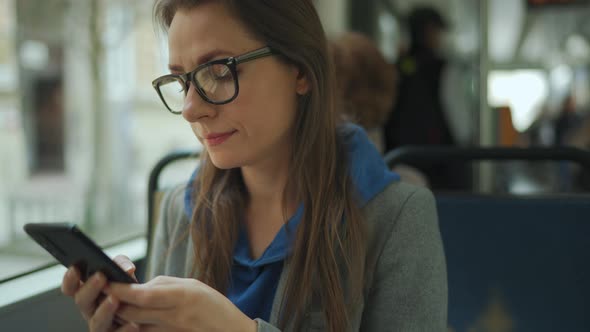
(80, 124)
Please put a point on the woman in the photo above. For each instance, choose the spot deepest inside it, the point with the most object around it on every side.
(291, 222)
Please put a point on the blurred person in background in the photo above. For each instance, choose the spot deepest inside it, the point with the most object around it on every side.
(572, 128)
(418, 116)
(580, 138)
(366, 91)
(567, 121)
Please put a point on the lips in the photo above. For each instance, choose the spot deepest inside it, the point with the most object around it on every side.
(215, 139)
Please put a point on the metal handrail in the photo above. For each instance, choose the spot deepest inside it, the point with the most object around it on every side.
(153, 185)
(429, 154)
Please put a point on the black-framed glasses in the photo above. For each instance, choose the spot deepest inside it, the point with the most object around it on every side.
(216, 81)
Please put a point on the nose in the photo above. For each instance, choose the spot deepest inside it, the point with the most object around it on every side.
(195, 108)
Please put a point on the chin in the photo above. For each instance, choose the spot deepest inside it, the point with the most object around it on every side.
(224, 160)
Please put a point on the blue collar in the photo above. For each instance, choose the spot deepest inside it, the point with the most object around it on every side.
(254, 281)
(276, 251)
(369, 172)
(370, 176)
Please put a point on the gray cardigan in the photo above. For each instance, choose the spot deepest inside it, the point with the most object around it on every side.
(406, 281)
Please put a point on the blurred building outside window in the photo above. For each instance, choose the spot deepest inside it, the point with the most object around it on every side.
(80, 124)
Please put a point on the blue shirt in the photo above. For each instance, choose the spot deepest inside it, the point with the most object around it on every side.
(254, 281)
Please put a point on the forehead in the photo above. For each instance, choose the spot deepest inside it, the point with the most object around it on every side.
(205, 28)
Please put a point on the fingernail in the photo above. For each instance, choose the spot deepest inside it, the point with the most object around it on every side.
(128, 266)
(97, 279)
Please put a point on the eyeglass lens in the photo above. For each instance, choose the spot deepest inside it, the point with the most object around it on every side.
(216, 82)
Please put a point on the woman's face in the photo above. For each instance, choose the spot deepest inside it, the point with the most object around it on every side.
(258, 124)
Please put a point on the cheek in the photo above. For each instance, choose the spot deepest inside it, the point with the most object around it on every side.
(268, 114)
(269, 102)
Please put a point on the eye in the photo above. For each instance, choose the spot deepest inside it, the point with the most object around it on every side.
(220, 72)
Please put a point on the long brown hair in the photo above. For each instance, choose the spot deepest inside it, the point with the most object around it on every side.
(328, 255)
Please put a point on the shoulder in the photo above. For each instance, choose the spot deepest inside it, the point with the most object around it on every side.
(172, 208)
(170, 224)
(174, 199)
(405, 280)
(400, 213)
(395, 198)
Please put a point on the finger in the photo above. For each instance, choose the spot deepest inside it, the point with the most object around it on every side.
(125, 263)
(71, 282)
(143, 295)
(86, 297)
(102, 319)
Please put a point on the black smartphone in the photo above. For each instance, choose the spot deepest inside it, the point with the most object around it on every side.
(70, 246)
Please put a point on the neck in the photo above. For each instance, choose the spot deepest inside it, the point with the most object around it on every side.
(266, 181)
(266, 211)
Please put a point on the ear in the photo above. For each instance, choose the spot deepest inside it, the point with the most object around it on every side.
(302, 83)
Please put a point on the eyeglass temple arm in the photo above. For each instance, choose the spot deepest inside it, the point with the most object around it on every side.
(254, 55)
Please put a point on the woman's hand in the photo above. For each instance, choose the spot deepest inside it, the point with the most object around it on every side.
(98, 310)
(175, 304)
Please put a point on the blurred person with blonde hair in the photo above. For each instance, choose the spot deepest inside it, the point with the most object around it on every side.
(365, 83)
(366, 91)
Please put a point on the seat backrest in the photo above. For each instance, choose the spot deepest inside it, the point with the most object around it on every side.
(515, 263)
(512, 261)
(433, 154)
(184, 163)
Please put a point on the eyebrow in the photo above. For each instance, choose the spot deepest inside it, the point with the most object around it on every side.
(201, 60)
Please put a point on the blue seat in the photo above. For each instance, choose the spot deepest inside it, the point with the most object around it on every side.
(512, 261)
(515, 263)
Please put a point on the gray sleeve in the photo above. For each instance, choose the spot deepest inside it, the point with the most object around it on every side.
(264, 326)
(168, 213)
(409, 288)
